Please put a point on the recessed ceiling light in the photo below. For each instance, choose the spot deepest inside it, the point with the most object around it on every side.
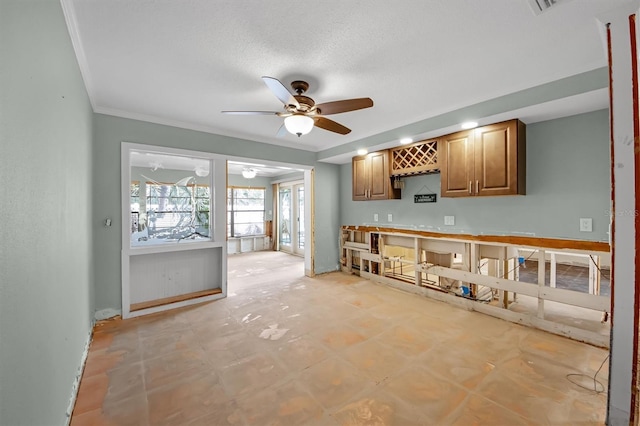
(469, 124)
(405, 141)
(362, 151)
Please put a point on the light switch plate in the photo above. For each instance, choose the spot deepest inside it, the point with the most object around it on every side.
(375, 217)
(390, 217)
(586, 224)
(449, 220)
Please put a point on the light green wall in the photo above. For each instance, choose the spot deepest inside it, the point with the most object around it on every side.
(327, 217)
(46, 299)
(567, 178)
(585, 82)
(110, 131)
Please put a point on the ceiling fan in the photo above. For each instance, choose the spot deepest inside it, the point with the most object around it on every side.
(301, 112)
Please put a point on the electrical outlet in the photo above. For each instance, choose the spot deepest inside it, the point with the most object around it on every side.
(390, 217)
(586, 224)
(375, 217)
(450, 220)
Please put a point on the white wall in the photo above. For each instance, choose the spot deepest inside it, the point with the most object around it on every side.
(623, 377)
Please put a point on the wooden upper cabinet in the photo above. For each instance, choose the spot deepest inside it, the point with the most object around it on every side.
(379, 176)
(455, 154)
(489, 160)
(359, 180)
(371, 178)
(500, 158)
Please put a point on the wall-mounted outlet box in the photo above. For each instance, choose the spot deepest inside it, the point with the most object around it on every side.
(375, 217)
(450, 220)
(390, 217)
(586, 224)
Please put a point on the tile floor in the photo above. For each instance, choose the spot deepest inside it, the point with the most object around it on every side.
(284, 349)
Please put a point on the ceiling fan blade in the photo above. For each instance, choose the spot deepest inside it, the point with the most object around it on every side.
(280, 91)
(282, 131)
(251, 112)
(330, 125)
(347, 105)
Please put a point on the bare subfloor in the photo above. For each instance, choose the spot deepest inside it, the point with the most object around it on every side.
(284, 349)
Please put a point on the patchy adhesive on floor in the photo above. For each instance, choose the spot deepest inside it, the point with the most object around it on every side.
(273, 332)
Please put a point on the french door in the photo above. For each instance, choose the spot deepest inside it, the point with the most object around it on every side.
(291, 230)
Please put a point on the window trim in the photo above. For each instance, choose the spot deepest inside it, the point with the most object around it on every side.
(209, 252)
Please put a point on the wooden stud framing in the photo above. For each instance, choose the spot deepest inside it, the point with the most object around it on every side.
(541, 279)
(504, 276)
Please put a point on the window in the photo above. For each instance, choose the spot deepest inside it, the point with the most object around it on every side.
(169, 198)
(168, 212)
(245, 211)
(176, 212)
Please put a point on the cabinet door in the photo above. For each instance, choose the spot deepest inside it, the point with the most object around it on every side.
(455, 154)
(360, 178)
(496, 159)
(379, 175)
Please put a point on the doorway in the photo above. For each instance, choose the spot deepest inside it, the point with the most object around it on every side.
(291, 229)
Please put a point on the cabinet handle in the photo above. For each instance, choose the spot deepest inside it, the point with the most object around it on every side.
(470, 187)
(477, 187)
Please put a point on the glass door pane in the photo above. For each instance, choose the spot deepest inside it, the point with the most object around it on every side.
(284, 217)
(291, 217)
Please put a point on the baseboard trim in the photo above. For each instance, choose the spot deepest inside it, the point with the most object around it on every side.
(104, 314)
(75, 387)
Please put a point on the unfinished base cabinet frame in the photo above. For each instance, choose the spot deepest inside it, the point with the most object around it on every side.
(173, 272)
(368, 252)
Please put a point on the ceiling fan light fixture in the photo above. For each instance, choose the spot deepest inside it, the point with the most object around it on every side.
(202, 171)
(249, 173)
(298, 124)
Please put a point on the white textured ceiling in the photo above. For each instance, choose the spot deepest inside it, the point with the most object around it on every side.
(182, 62)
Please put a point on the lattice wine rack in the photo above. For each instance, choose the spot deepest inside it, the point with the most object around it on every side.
(417, 158)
